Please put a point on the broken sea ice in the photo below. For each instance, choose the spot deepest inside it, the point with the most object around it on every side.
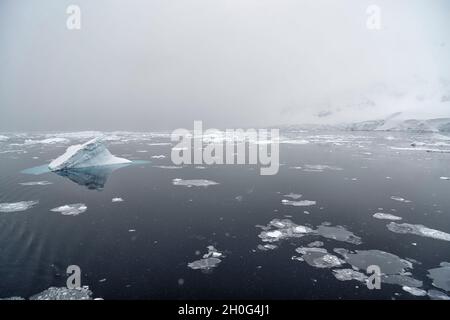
(419, 230)
(71, 209)
(210, 260)
(17, 206)
(193, 183)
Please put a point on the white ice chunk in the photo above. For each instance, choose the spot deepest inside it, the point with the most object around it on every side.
(415, 291)
(294, 196)
(274, 234)
(319, 257)
(47, 141)
(193, 183)
(400, 199)
(17, 206)
(297, 141)
(302, 203)
(210, 260)
(437, 295)
(54, 293)
(90, 154)
(441, 276)
(320, 168)
(444, 178)
(386, 216)
(71, 209)
(117, 200)
(419, 230)
(168, 167)
(349, 274)
(35, 183)
(430, 150)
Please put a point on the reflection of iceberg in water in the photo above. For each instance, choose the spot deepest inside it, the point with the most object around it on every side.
(88, 164)
(94, 178)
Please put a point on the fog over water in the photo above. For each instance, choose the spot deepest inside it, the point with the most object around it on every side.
(148, 65)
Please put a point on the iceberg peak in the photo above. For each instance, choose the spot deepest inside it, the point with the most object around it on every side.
(90, 154)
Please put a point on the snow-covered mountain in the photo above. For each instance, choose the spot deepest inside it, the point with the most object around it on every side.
(398, 123)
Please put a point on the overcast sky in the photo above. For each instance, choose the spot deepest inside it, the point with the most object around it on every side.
(161, 64)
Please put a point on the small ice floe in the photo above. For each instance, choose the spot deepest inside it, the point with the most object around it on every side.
(141, 151)
(302, 203)
(431, 150)
(441, 276)
(161, 156)
(296, 141)
(394, 269)
(401, 280)
(338, 233)
(319, 257)
(71, 209)
(349, 274)
(132, 230)
(3, 138)
(320, 168)
(444, 178)
(13, 298)
(35, 183)
(419, 230)
(117, 200)
(168, 167)
(294, 196)
(283, 229)
(267, 247)
(315, 244)
(193, 183)
(437, 295)
(159, 144)
(400, 199)
(415, 291)
(63, 293)
(386, 216)
(17, 206)
(278, 230)
(47, 141)
(209, 260)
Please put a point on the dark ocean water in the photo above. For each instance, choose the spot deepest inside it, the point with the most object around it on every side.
(170, 225)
